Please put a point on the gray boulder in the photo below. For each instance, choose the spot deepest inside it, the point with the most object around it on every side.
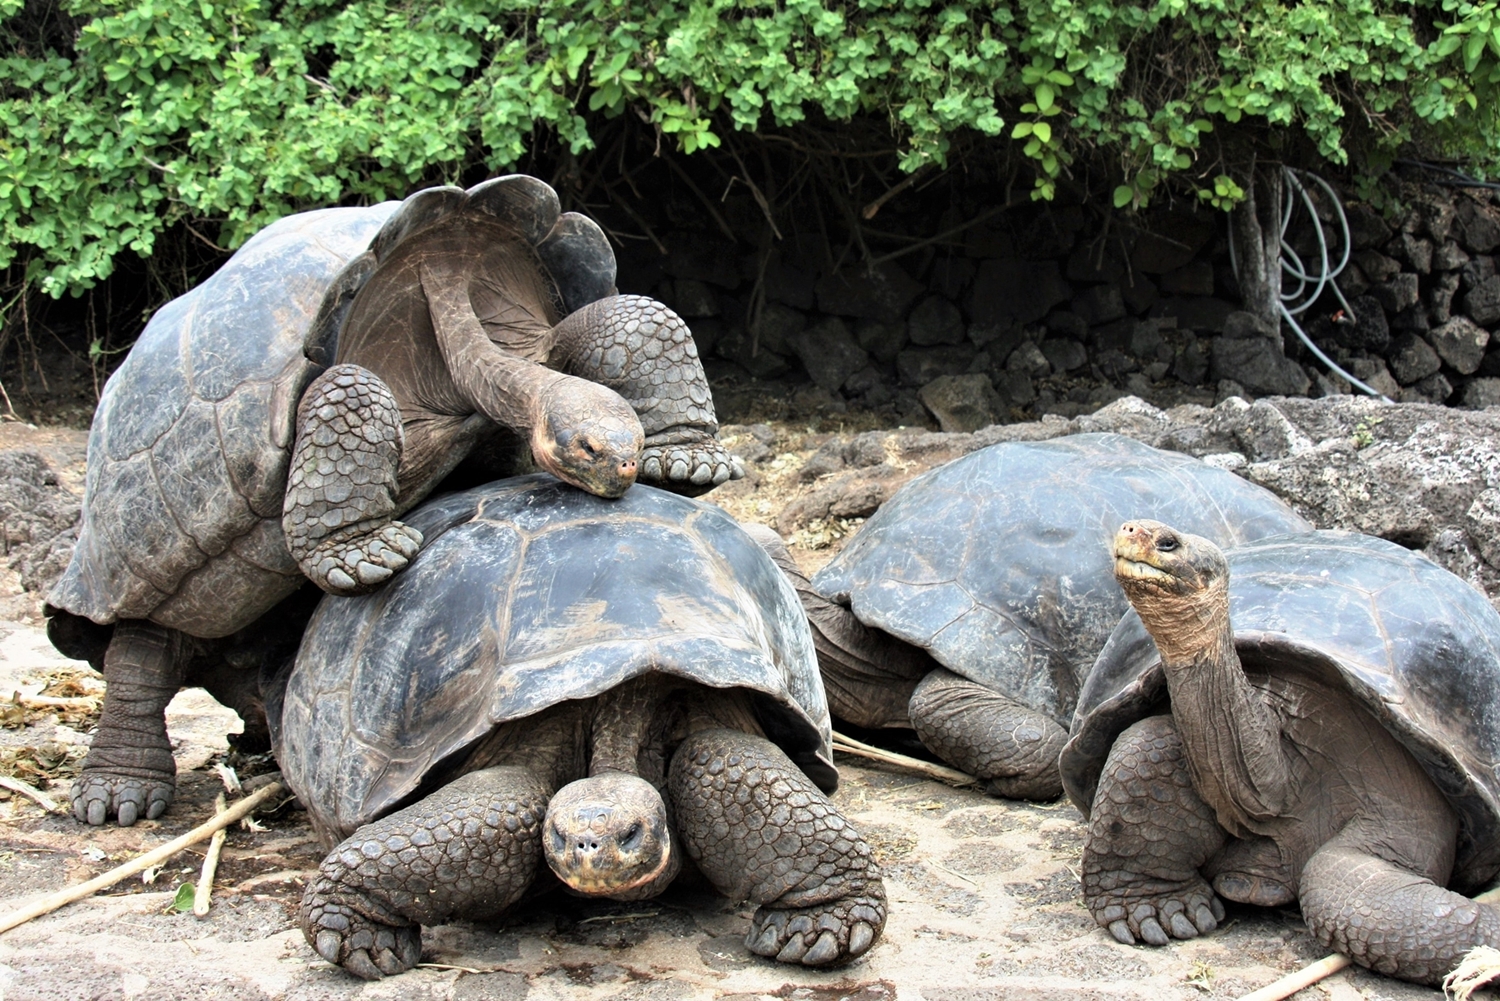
(829, 353)
(1482, 302)
(1461, 343)
(1258, 364)
(961, 402)
(1412, 359)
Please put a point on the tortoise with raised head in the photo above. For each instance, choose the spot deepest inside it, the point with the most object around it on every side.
(1310, 718)
(972, 604)
(620, 687)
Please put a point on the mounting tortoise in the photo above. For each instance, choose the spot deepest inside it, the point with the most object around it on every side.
(621, 687)
(971, 606)
(1314, 718)
(227, 459)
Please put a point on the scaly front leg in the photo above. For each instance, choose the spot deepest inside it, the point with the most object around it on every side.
(760, 830)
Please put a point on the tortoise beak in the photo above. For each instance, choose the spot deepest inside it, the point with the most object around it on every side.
(1136, 556)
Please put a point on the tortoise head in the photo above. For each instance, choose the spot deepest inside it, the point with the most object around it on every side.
(1178, 584)
(607, 834)
(587, 435)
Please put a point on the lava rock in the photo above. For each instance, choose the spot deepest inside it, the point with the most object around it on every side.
(1177, 240)
(1398, 293)
(1461, 343)
(935, 320)
(1030, 360)
(1066, 323)
(1366, 227)
(1477, 226)
(1099, 304)
(919, 366)
(1482, 302)
(1370, 331)
(1376, 266)
(1257, 364)
(1008, 292)
(961, 402)
(692, 298)
(950, 276)
(1477, 394)
(700, 257)
(1449, 256)
(1195, 278)
(1195, 313)
(829, 353)
(884, 293)
(1064, 354)
(1140, 294)
(1412, 359)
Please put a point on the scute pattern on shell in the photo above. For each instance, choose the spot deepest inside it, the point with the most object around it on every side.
(182, 511)
(528, 592)
(998, 563)
(1418, 647)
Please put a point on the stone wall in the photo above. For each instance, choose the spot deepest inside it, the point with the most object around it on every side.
(1062, 308)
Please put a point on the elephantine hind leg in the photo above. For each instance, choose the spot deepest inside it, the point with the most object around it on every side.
(341, 488)
(470, 849)
(991, 737)
(1149, 835)
(129, 771)
(645, 352)
(1387, 917)
(760, 830)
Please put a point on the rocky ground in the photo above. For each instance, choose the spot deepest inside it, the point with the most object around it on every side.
(984, 893)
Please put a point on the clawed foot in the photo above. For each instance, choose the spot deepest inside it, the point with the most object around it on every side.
(1188, 912)
(817, 936)
(359, 561)
(99, 793)
(690, 468)
(368, 949)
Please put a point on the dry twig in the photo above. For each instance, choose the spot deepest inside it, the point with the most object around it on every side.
(51, 902)
(32, 792)
(952, 776)
(210, 865)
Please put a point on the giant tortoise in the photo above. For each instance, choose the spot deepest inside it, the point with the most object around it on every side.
(621, 687)
(971, 606)
(222, 464)
(181, 545)
(1315, 718)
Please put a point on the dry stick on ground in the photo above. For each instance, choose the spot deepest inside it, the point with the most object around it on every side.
(952, 776)
(16, 785)
(1325, 967)
(53, 901)
(210, 865)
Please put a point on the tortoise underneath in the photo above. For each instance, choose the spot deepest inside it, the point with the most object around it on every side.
(1331, 740)
(620, 687)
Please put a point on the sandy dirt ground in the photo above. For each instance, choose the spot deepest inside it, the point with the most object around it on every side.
(983, 893)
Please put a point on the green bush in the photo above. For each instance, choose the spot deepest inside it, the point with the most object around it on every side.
(124, 117)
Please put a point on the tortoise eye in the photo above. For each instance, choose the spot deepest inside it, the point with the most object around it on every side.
(1166, 545)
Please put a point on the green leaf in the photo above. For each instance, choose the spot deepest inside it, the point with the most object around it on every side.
(1045, 96)
(1021, 131)
(1123, 194)
(1042, 131)
(183, 901)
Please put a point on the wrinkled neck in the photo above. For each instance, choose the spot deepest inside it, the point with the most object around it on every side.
(1233, 740)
